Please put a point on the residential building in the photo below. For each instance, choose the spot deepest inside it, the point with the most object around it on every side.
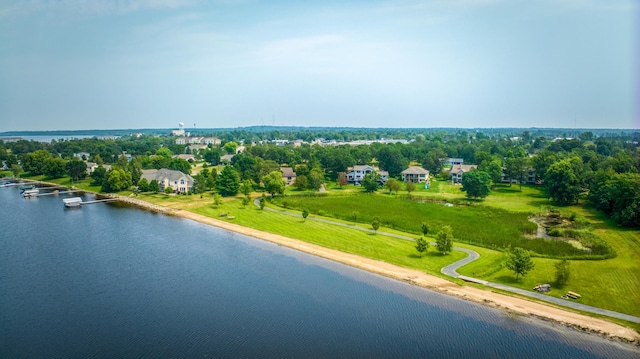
(356, 174)
(456, 172)
(177, 180)
(415, 174)
(288, 175)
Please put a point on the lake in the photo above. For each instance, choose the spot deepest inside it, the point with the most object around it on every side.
(108, 281)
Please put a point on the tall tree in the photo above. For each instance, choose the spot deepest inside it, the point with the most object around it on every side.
(54, 167)
(228, 181)
(315, 179)
(393, 185)
(421, 245)
(477, 184)
(520, 262)
(375, 224)
(563, 272)
(76, 168)
(516, 169)
(370, 182)
(444, 240)
(273, 183)
(561, 183)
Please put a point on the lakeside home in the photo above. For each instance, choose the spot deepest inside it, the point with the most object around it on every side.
(180, 182)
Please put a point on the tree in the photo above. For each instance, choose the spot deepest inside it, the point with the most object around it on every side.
(393, 185)
(143, 185)
(562, 183)
(370, 181)
(217, 200)
(16, 170)
(391, 159)
(375, 224)
(305, 213)
(477, 184)
(520, 262)
(342, 179)
(246, 187)
(273, 183)
(494, 169)
(516, 168)
(99, 175)
(54, 167)
(230, 147)
(154, 186)
(181, 165)
(262, 202)
(117, 180)
(35, 162)
(168, 190)
(246, 200)
(425, 228)
(301, 182)
(228, 182)
(316, 179)
(77, 169)
(444, 240)
(563, 272)
(410, 187)
(421, 245)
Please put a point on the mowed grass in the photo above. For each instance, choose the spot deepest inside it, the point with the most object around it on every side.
(345, 239)
(612, 284)
(485, 226)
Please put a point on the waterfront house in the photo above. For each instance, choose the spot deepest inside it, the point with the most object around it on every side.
(415, 174)
(180, 182)
(456, 172)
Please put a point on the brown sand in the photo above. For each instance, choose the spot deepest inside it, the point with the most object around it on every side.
(512, 304)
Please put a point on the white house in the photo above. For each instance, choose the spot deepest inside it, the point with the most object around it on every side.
(415, 174)
(177, 180)
(456, 172)
(356, 174)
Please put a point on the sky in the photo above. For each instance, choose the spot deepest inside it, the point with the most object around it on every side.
(93, 64)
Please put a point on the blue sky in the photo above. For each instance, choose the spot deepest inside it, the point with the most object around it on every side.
(90, 64)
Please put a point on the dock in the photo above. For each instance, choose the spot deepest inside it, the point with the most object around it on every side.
(76, 202)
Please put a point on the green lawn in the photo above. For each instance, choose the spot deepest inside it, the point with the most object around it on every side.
(349, 240)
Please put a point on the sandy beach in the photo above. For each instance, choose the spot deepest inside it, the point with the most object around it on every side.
(511, 304)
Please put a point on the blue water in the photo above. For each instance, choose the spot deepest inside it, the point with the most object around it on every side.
(107, 281)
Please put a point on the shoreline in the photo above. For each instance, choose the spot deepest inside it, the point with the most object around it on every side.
(514, 305)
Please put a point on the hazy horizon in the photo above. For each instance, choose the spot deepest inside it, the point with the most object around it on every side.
(81, 65)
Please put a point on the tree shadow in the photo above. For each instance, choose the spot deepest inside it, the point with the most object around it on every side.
(507, 279)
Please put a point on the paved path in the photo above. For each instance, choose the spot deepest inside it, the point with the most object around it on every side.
(450, 271)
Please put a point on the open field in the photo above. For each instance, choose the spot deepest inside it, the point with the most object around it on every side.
(391, 250)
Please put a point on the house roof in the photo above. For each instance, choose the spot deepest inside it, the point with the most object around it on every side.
(185, 156)
(287, 172)
(462, 168)
(415, 170)
(361, 168)
(161, 174)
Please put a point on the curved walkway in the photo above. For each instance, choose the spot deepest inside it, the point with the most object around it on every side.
(451, 271)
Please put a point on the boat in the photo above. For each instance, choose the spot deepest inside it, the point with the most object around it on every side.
(30, 192)
(73, 202)
(26, 188)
